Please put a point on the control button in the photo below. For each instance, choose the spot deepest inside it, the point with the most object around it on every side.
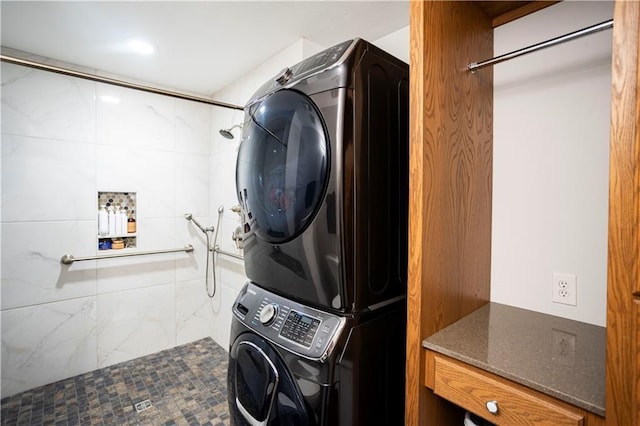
(268, 313)
(284, 76)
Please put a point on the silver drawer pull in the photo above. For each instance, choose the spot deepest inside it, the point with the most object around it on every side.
(492, 406)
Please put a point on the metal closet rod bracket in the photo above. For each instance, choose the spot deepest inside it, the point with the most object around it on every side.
(473, 66)
(68, 259)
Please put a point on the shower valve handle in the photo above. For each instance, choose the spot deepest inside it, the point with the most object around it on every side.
(237, 237)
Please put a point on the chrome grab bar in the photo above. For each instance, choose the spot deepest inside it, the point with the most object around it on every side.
(218, 250)
(68, 259)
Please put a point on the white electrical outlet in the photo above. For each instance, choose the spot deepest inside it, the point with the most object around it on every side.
(564, 289)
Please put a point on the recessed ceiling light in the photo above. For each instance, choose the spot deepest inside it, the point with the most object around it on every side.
(140, 46)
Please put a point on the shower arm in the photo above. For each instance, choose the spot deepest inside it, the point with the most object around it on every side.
(226, 133)
(215, 248)
(190, 218)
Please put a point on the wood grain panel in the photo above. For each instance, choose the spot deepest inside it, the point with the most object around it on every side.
(415, 409)
(590, 419)
(471, 388)
(623, 362)
(450, 184)
(594, 420)
(430, 369)
(457, 164)
(497, 8)
(514, 12)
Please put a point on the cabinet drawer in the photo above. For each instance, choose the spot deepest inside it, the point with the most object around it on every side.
(471, 389)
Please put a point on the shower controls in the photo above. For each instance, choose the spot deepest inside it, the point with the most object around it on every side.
(268, 313)
(237, 237)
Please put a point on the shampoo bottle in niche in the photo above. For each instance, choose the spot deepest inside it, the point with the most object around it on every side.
(103, 221)
(112, 221)
(118, 222)
(131, 224)
(122, 218)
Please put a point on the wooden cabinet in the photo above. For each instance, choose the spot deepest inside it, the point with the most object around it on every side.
(623, 308)
(498, 400)
(450, 185)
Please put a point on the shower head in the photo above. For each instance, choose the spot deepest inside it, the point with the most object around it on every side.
(226, 133)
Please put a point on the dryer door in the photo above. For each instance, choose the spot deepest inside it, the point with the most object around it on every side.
(261, 389)
(283, 165)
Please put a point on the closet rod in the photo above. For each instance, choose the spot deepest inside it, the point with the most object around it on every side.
(115, 82)
(473, 66)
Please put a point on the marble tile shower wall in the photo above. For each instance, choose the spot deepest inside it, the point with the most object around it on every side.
(63, 140)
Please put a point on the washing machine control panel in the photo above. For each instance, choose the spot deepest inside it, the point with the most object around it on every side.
(316, 64)
(320, 60)
(301, 329)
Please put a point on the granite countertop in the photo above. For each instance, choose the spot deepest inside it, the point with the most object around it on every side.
(556, 356)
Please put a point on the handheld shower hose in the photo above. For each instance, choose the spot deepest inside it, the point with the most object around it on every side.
(210, 253)
(211, 249)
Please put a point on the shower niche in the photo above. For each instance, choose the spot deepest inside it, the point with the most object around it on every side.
(117, 224)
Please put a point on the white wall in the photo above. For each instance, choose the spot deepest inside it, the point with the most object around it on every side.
(396, 43)
(61, 144)
(551, 153)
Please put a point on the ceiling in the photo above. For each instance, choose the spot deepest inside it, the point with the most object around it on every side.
(200, 46)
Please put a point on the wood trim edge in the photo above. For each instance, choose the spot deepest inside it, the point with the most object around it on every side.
(430, 369)
(414, 390)
(525, 10)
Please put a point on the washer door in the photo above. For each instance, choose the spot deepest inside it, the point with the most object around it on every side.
(261, 389)
(283, 165)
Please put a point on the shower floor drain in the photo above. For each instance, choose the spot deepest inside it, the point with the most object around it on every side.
(142, 405)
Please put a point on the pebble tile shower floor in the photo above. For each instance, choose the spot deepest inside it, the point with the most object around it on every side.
(186, 385)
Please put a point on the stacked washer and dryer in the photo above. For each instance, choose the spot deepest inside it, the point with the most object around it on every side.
(318, 333)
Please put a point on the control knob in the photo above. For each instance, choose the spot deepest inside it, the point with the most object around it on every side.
(268, 313)
(284, 76)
